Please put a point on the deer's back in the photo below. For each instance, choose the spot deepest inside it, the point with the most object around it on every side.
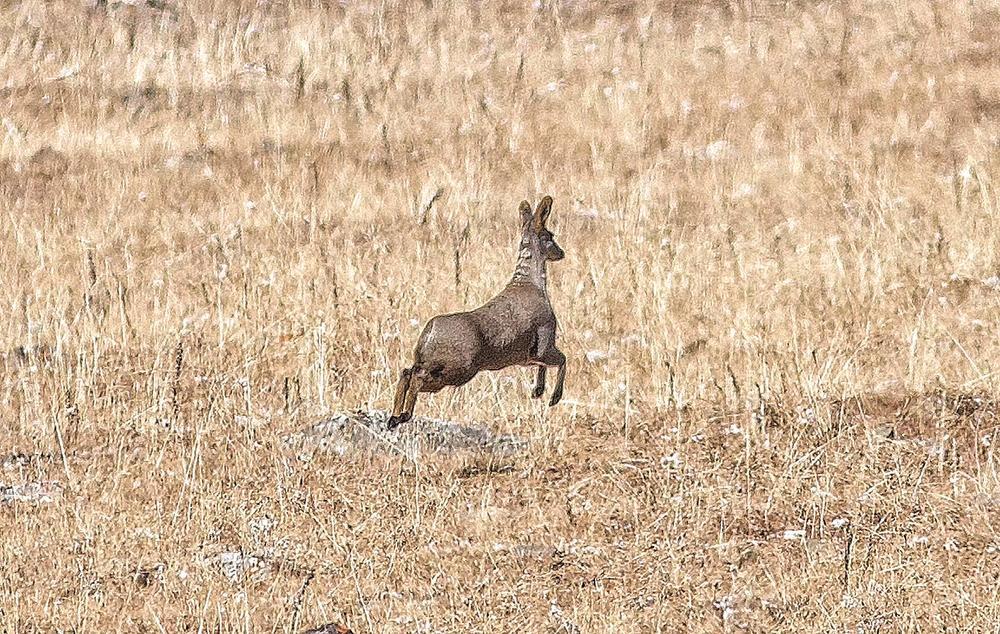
(498, 334)
(509, 324)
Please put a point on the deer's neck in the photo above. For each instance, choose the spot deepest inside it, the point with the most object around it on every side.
(530, 268)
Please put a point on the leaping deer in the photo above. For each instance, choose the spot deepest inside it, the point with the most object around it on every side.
(517, 327)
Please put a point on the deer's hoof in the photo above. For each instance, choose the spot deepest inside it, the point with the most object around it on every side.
(555, 398)
(396, 421)
(538, 392)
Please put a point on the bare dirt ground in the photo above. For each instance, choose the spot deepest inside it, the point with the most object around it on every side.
(224, 222)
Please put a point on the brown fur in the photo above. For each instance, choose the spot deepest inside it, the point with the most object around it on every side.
(517, 327)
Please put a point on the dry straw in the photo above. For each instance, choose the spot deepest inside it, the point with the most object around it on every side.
(222, 221)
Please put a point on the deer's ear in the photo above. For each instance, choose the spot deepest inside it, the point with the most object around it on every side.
(542, 212)
(525, 210)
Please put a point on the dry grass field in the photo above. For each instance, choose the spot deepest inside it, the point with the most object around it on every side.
(222, 221)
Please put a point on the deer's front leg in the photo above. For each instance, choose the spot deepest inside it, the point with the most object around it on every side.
(545, 339)
(558, 359)
(547, 354)
(539, 383)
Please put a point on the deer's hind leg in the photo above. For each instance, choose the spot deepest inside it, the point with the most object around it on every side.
(414, 388)
(400, 414)
(410, 383)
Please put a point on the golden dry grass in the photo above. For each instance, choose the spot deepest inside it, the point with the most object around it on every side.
(780, 305)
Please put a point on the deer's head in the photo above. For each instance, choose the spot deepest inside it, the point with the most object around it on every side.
(534, 233)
